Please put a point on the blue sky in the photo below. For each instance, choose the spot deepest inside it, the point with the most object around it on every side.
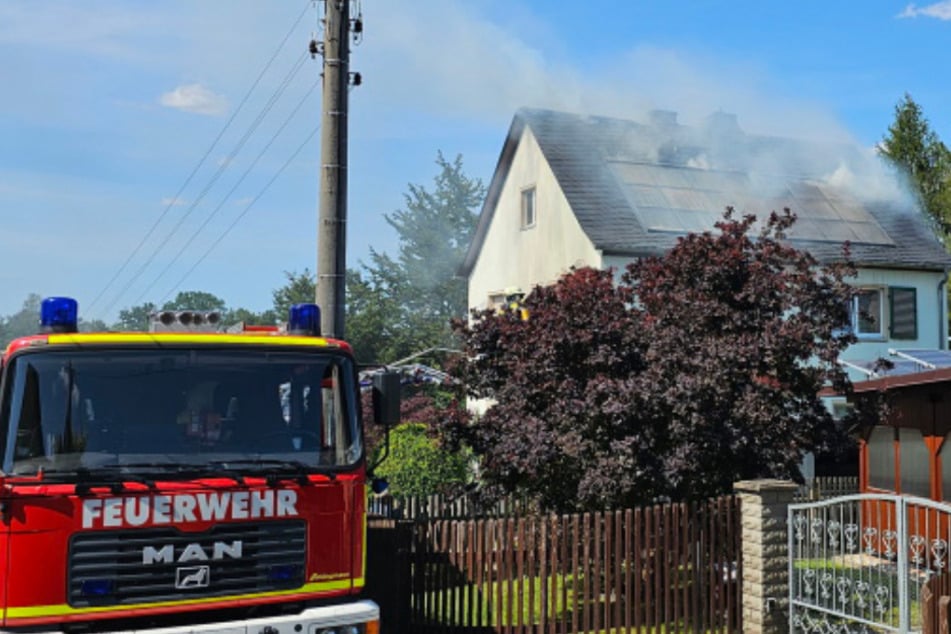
(107, 107)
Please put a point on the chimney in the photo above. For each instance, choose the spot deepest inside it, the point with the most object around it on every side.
(722, 125)
(663, 119)
(725, 140)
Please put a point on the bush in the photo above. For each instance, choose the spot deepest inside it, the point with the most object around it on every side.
(418, 466)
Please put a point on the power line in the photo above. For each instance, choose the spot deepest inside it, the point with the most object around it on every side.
(201, 161)
(244, 212)
(227, 196)
(221, 168)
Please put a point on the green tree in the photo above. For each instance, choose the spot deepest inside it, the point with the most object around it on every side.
(418, 465)
(25, 321)
(915, 148)
(372, 325)
(301, 288)
(135, 318)
(418, 288)
(243, 315)
(195, 300)
(92, 325)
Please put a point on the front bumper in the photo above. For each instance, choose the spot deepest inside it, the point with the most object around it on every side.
(363, 615)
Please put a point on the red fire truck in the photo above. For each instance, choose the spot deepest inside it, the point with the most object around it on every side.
(183, 479)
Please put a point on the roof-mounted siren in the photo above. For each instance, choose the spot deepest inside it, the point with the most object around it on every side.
(304, 319)
(185, 321)
(59, 314)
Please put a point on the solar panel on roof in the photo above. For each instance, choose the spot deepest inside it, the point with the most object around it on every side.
(690, 199)
(695, 222)
(647, 196)
(823, 210)
(659, 219)
(869, 233)
(805, 228)
(684, 199)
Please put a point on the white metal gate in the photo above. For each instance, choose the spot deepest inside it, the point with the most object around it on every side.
(867, 563)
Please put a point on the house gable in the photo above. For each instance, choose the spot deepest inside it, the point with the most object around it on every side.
(513, 255)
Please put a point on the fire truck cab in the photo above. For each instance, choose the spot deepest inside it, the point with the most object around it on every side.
(182, 479)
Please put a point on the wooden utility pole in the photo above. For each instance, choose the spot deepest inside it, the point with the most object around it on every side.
(332, 227)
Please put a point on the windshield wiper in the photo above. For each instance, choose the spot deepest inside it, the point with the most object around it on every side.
(183, 470)
(115, 476)
(87, 480)
(200, 471)
(274, 469)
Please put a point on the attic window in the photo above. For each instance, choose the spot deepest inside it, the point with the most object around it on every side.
(528, 208)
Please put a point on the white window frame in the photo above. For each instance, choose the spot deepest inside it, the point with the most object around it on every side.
(529, 207)
(854, 314)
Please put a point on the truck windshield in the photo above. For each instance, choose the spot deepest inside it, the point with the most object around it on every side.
(158, 410)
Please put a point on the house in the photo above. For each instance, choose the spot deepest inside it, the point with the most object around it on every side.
(574, 190)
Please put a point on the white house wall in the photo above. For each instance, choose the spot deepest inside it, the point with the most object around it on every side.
(931, 298)
(514, 257)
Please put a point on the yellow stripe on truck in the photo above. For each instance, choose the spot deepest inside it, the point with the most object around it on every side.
(35, 611)
(160, 338)
(363, 551)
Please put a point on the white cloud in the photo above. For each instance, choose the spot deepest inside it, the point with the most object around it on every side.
(195, 98)
(940, 10)
(168, 201)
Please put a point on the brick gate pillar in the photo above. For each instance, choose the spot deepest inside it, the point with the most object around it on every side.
(765, 590)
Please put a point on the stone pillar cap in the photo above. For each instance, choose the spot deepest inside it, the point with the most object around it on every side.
(763, 486)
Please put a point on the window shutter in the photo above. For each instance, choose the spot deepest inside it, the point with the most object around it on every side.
(904, 313)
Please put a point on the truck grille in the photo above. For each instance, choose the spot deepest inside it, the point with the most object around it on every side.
(164, 564)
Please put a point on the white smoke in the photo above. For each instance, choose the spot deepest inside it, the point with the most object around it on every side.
(462, 65)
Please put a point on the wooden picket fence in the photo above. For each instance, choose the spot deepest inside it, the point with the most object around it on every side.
(445, 507)
(465, 506)
(667, 568)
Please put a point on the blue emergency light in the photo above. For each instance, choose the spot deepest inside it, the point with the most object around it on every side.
(285, 572)
(304, 320)
(59, 314)
(97, 587)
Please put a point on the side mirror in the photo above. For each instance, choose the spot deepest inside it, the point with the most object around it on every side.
(386, 398)
(379, 486)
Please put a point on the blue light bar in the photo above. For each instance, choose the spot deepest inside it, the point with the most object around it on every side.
(304, 320)
(59, 314)
(96, 587)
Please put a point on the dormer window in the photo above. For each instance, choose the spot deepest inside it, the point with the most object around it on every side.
(528, 208)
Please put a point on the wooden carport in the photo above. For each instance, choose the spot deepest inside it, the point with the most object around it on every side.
(917, 460)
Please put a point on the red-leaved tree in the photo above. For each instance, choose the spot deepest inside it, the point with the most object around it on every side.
(698, 369)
